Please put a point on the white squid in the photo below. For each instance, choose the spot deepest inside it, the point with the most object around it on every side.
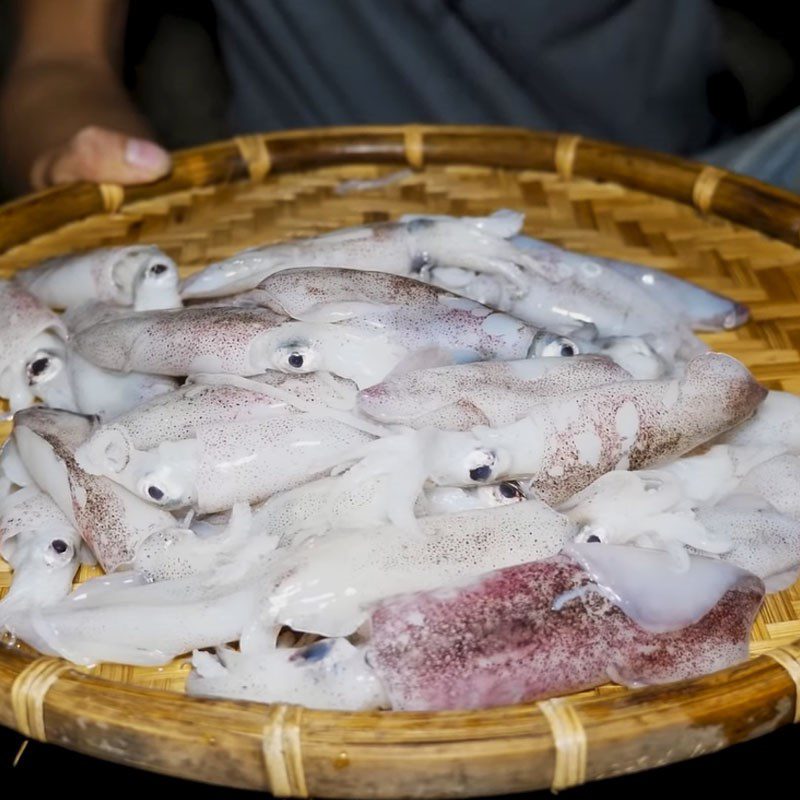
(564, 443)
(357, 325)
(407, 248)
(485, 393)
(111, 520)
(140, 276)
(543, 285)
(324, 584)
(33, 351)
(43, 549)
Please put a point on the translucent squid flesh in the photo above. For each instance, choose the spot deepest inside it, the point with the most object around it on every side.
(141, 276)
(540, 629)
(685, 301)
(485, 393)
(111, 520)
(777, 422)
(119, 618)
(763, 541)
(573, 290)
(226, 462)
(567, 442)
(330, 674)
(738, 524)
(43, 549)
(324, 584)
(106, 393)
(701, 309)
(33, 351)
(408, 248)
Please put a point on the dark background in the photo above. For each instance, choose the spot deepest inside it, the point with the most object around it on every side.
(172, 66)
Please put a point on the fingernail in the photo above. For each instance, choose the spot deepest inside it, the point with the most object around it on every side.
(145, 155)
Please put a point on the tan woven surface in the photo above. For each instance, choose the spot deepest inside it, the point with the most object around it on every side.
(202, 225)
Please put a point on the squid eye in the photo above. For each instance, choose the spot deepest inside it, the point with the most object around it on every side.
(38, 367)
(158, 269)
(59, 545)
(593, 538)
(559, 347)
(42, 367)
(482, 473)
(155, 493)
(510, 490)
(549, 345)
(296, 360)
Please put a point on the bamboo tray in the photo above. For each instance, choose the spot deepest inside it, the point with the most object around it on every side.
(728, 233)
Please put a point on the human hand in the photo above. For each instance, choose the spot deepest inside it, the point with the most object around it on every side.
(100, 155)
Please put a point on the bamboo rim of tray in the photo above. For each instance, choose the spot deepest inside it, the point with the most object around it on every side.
(298, 752)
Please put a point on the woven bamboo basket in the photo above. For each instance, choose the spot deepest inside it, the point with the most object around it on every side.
(727, 233)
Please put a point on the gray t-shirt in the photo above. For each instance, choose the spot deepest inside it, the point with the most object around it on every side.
(633, 71)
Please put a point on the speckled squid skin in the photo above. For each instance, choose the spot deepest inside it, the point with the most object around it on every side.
(177, 415)
(483, 393)
(251, 460)
(178, 342)
(417, 314)
(499, 641)
(408, 247)
(565, 443)
(23, 317)
(111, 520)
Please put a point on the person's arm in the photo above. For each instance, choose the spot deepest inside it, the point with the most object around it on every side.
(64, 113)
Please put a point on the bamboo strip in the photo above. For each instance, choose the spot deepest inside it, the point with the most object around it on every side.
(569, 738)
(789, 658)
(255, 153)
(29, 691)
(283, 756)
(414, 146)
(704, 187)
(113, 197)
(566, 148)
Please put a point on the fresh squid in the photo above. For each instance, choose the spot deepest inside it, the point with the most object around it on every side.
(120, 618)
(485, 259)
(43, 549)
(357, 325)
(140, 276)
(111, 520)
(229, 461)
(408, 248)
(513, 635)
(325, 584)
(701, 309)
(545, 629)
(565, 443)
(485, 393)
(33, 351)
(209, 400)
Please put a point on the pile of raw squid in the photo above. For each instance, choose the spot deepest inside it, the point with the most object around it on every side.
(426, 464)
